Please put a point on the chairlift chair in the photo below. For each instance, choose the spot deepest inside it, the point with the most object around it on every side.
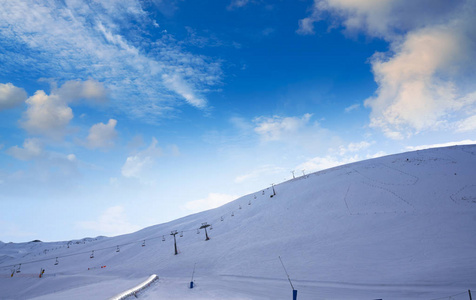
(117, 249)
(198, 231)
(181, 233)
(221, 219)
(56, 262)
(143, 243)
(19, 267)
(92, 254)
(240, 207)
(233, 214)
(163, 238)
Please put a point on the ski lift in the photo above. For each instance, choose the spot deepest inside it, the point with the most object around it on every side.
(181, 233)
(143, 243)
(163, 238)
(18, 270)
(92, 254)
(56, 262)
(198, 231)
(221, 219)
(117, 249)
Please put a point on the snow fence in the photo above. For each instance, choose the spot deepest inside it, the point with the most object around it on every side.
(138, 288)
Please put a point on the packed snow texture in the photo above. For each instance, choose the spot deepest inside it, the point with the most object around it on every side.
(396, 227)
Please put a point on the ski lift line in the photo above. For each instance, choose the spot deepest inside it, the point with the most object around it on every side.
(105, 248)
(6, 267)
(449, 297)
(100, 249)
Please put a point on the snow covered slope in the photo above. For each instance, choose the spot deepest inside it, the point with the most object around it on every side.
(396, 227)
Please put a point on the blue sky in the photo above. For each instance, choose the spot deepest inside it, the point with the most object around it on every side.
(116, 115)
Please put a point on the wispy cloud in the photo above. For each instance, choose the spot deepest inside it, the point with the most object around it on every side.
(113, 221)
(212, 201)
(14, 231)
(344, 154)
(277, 127)
(466, 125)
(45, 167)
(263, 171)
(136, 164)
(354, 147)
(83, 39)
(352, 108)
(237, 4)
(422, 147)
(321, 163)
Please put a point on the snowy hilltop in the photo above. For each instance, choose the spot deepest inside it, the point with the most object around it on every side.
(395, 227)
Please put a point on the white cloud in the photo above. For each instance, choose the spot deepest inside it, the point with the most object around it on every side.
(425, 81)
(112, 222)
(49, 115)
(422, 147)
(11, 96)
(135, 165)
(375, 155)
(212, 201)
(102, 135)
(89, 90)
(46, 115)
(31, 149)
(321, 163)
(276, 127)
(263, 171)
(412, 97)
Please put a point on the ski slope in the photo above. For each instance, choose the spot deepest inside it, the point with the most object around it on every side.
(396, 227)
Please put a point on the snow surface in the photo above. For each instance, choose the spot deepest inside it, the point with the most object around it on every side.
(396, 227)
